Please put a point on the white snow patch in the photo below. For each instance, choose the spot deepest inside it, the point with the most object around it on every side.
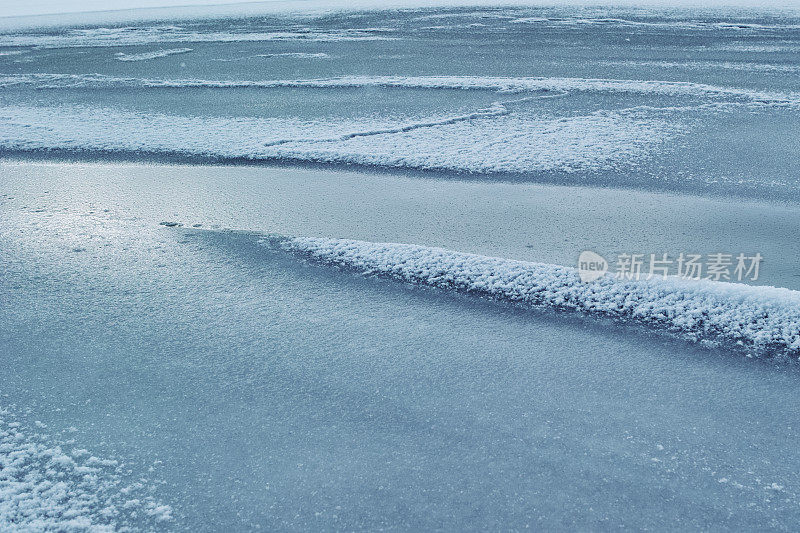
(708, 65)
(46, 488)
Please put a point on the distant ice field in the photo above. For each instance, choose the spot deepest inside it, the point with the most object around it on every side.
(635, 98)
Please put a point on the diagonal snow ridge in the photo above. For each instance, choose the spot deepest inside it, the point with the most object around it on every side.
(44, 487)
(760, 320)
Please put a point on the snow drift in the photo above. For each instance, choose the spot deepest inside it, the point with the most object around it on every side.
(760, 320)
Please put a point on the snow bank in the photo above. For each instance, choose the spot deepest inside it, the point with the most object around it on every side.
(46, 488)
(762, 320)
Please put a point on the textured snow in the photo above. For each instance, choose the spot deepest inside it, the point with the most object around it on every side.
(488, 140)
(151, 55)
(500, 138)
(44, 487)
(762, 320)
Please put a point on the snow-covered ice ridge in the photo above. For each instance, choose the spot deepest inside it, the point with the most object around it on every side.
(121, 56)
(44, 487)
(761, 320)
(490, 83)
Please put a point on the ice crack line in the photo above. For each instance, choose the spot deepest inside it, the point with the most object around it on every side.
(497, 109)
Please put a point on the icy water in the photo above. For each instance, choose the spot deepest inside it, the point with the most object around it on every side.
(194, 378)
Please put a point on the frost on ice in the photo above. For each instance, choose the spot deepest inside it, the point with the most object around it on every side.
(44, 487)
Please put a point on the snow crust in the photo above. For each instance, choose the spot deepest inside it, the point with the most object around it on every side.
(761, 320)
(501, 138)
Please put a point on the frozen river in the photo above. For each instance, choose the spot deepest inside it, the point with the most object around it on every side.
(200, 376)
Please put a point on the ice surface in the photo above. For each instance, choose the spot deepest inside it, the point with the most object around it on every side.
(500, 84)
(289, 396)
(643, 98)
(518, 220)
(96, 37)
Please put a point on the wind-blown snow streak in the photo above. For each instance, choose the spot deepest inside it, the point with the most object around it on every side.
(489, 83)
(46, 488)
(130, 36)
(151, 55)
(660, 25)
(707, 65)
(762, 320)
(293, 55)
